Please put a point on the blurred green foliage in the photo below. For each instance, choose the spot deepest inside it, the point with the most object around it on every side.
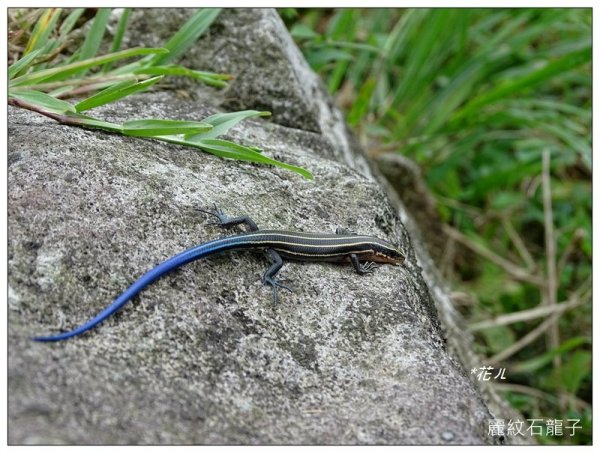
(476, 96)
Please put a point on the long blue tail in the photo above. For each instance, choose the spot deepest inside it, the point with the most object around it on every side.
(195, 253)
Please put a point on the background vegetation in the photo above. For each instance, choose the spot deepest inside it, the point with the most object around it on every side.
(495, 107)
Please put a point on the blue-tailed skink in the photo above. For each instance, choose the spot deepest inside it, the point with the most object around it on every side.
(344, 246)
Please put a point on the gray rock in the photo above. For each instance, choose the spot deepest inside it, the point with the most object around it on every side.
(204, 356)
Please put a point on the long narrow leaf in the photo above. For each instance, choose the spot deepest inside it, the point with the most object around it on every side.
(43, 100)
(43, 27)
(92, 85)
(22, 64)
(86, 121)
(94, 36)
(58, 111)
(115, 92)
(121, 27)
(222, 122)
(154, 128)
(354, 46)
(105, 96)
(210, 78)
(118, 39)
(187, 35)
(69, 22)
(224, 148)
(63, 72)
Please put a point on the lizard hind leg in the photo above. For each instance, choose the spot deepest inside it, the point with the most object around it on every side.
(226, 222)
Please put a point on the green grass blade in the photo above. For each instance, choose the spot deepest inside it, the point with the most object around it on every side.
(320, 57)
(153, 128)
(43, 27)
(44, 101)
(105, 96)
(92, 85)
(82, 120)
(64, 72)
(69, 22)
(230, 150)
(454, 94)
(22, 64)
(222, 122)
(354, 46)
(224, 148)
(120, 32)
(396, 42)
(360, 107)
(115, 92)
(118, 39)
(210, 78)
(93, 38)
(186, 36)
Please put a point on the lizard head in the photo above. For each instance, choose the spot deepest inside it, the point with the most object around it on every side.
(384, 252)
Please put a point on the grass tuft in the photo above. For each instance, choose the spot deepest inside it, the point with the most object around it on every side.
(42, 79)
